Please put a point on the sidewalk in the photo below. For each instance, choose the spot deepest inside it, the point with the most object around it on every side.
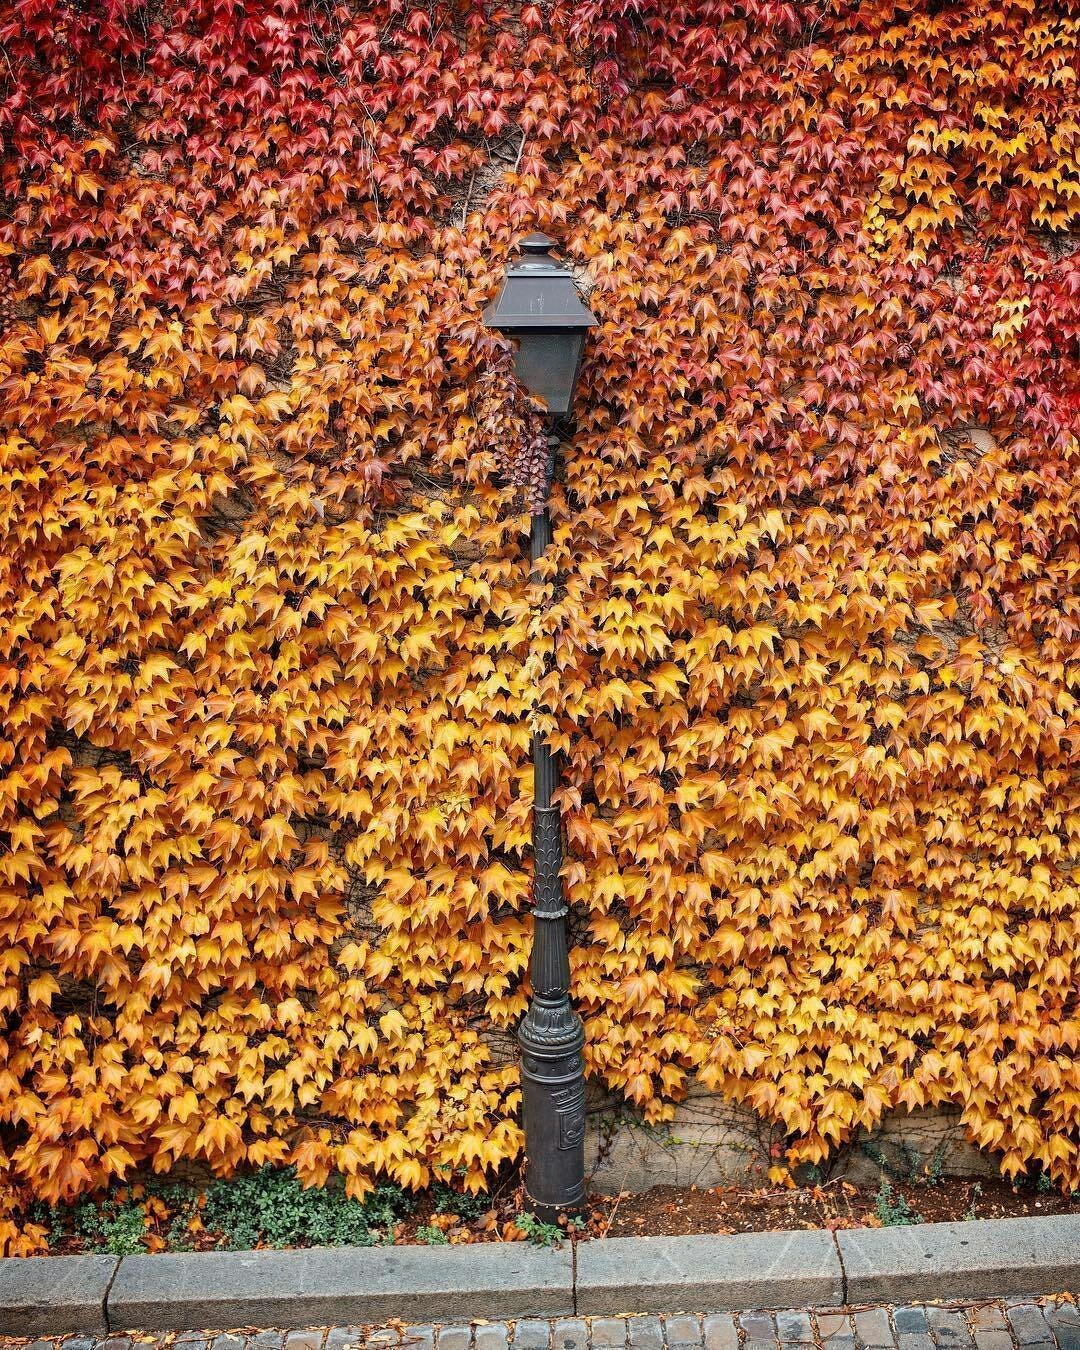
(1010, 1324)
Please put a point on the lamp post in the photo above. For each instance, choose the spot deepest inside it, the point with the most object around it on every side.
(539, 307)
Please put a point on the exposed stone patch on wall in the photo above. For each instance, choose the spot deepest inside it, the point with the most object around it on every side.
(712, 1142)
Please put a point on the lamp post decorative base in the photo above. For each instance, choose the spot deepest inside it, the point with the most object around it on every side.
(553, 1106)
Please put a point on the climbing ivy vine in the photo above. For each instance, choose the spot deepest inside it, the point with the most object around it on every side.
(812, 643)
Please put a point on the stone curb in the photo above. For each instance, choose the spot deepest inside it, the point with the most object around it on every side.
(341, 1286)
(40, 1295)
(709, 1274)
(351, 1286)
(988, 1258)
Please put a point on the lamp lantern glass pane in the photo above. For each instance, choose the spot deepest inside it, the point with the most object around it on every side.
(547, 362)
(540, 309)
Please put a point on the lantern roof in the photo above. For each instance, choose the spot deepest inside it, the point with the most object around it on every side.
(538, 291)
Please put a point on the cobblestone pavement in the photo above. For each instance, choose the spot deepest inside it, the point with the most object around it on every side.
(1013, 1324)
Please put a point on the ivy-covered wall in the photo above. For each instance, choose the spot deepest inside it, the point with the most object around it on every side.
(812, 643)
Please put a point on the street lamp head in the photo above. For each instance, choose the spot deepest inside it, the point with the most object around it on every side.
(540, 308)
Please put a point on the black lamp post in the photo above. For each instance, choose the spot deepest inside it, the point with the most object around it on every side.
(540, 308)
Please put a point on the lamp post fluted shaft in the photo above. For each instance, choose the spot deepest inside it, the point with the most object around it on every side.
(551, 1035)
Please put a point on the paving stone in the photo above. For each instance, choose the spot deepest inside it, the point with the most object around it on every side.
(994, 1340)
(949, 1329)
(415, 1338)
(758, 1328)
(491, 1336)
(229, 1341)
(608, 1331)
(794, 1328)
(681, 1330)
(269, 1340)
(646, 1333)
(570, 1333)
(720, 1332)
(988, 1317)
(454, 1338)
(873, 1329)
(915, 1340)
(337, 1338)
(532, 1334)
(300, 1340)
(836, 1332)
(982, 1326)
(1063, 1319)
(1028, 1324)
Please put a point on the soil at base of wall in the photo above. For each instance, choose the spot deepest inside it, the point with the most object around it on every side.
(836, 1204)
(662, 1211)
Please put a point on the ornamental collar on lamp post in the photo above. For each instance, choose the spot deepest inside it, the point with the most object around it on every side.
(539, 307)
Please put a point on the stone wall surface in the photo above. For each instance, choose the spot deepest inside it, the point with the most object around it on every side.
(713, 1142)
